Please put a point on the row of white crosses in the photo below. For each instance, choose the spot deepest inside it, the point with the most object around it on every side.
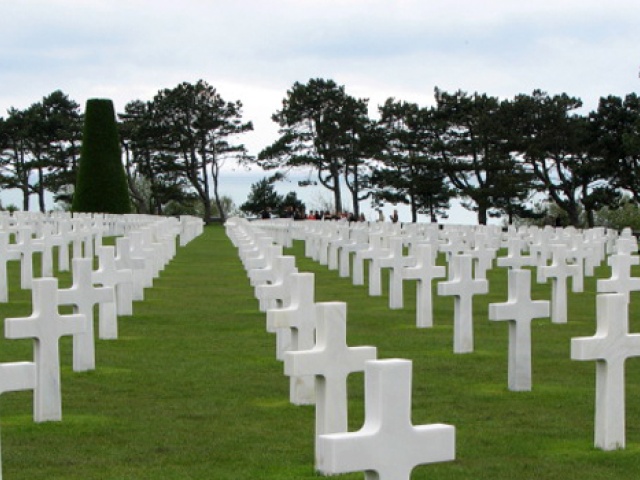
(470, 254)
(421, 266)
(113, 279)
(318, 362)
(44, 233)
(612, 343)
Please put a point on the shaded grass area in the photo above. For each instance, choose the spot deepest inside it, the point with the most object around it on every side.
(192, 390)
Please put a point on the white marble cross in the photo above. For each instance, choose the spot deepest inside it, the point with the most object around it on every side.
(46, 260)
(158, 250)
(108, 275)
(141, 249)
(353, 245)
(424, 271)
(483, 256)
(576, 257)
(300, 318)
(621, 280)
(330, 361)
(26, 246)
(126, 260)
(463, 287)
(610, 347)
(514, 258)
(277, 293)
(626, 245)
(336, 244)
(45, 326)
(373, 251)
(519, 310)
(312, 243)
(388, 446)
(395, 261)
(17, 376)
(6, 254)
(327, 233)
(540, 249)
(559, 271)
(62, 240)
(587, 252)
(79, 236)
(83, 295)
(375, 269)
(265, 273)
(455, 246)
(257, 257)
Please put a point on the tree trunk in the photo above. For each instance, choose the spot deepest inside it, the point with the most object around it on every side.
(574, 217)
(207, 211)
(432, 212)
(215, 176)
(136, 197)
(482, 214)
(218, 201)
(41, 202)
(337, 193)
(25, 198)
(354, 188)
(354, 200)
(590, 218)
(414, 209)
(193, 166)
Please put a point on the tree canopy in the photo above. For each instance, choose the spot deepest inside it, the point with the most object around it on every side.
(497, 156)
(323, 128)
(101, 186)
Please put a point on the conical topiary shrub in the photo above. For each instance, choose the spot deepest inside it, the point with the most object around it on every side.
(101, 184)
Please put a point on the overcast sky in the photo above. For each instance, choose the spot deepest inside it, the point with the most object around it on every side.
(254, 50)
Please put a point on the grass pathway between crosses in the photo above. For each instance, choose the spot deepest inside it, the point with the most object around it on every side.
(192, 390)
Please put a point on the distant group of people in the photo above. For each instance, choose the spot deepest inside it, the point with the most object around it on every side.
(299, 214)
(393, 217)
(326, 215)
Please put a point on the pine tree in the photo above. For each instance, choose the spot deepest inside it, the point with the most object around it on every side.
(101, 186)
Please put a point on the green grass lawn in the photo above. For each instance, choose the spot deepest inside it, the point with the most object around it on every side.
(192, 390)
